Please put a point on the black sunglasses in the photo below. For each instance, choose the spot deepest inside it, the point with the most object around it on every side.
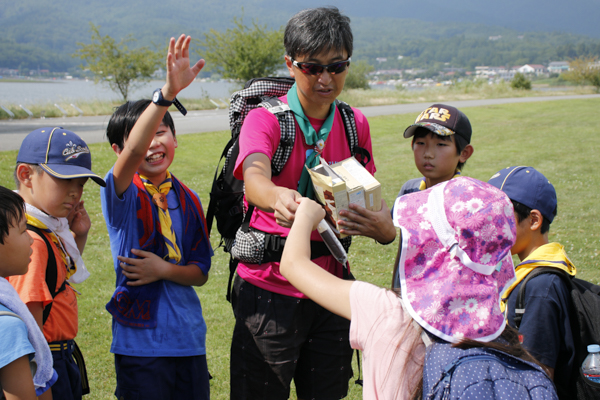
(316, 69)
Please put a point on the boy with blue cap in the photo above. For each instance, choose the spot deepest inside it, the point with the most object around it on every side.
(545, 322)
(53, 165)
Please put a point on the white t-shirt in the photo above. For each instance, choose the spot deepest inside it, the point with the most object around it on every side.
(386, 335)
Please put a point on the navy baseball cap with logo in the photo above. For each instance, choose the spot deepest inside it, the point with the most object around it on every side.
(442, 120)
(529, 187)
(60, 152)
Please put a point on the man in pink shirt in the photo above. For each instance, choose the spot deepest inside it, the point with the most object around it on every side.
(279, 334)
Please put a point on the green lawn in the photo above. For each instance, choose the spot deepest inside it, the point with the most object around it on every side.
(559, 138)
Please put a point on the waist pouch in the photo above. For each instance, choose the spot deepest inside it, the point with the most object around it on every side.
(253, 246)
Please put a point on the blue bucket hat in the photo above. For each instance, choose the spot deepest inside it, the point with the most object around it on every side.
(60, 152)
(529, 187)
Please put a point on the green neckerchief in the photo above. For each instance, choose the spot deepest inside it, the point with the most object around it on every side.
(312, 137)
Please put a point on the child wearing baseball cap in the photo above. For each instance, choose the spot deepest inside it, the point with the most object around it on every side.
(546, 323)
(53, 165)
(454, 263)
(441, 144)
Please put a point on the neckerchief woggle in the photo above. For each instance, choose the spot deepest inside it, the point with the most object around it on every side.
(312, 138)
(549, 255)
(159, 198)
(423, 184)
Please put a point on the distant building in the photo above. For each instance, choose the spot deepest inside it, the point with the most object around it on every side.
(381, 59)
(494, 38)
(558, 67)
(536, 69)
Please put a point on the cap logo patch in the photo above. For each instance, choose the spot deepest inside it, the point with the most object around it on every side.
(73, 150)
(439, 114)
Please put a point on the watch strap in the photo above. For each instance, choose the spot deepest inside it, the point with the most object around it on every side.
(179, 106)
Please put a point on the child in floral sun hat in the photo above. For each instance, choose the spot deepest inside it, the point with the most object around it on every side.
(455, 258)
(453, 264)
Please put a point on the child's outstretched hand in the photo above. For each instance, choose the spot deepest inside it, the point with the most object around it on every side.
(311, 211)
(179, 72)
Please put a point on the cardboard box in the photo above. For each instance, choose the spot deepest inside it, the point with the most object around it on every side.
(363, 189)
(344, 183)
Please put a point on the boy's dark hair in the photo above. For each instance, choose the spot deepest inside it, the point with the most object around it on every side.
(523, 212)
(125, 117)
(39, 170)
(459, 141)
(12, 210)
(314, 30)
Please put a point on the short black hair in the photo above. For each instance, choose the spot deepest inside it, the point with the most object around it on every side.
(125, 117)
(458, 141)
(523, 212)
(36, 168)
(315, 30)
(12, 210)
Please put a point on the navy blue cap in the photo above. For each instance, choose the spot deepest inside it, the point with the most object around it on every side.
(442, 120)
(60, 152)
(529, 187)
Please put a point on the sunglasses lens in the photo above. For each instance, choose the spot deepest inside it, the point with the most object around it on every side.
(312, 69)
(337, 68)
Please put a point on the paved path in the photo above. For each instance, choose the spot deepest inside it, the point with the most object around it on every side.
(92, 129)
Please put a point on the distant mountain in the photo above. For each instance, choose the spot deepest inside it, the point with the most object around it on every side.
(44, 33)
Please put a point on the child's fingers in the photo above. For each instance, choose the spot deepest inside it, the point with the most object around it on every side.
(179, 46)
(186, 47)
(198, 67)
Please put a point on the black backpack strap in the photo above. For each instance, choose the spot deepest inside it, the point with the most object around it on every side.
(520, 303)
(51, 271)
(361, 154)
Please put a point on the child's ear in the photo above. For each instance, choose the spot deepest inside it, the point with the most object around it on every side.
(116, 149)
(466, 153)
(536, 219)
(24, 174)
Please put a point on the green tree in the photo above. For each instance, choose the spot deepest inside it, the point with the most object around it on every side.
(114, 64)
(357, 75)
(520, 82)
(584, 71)
(242, 53)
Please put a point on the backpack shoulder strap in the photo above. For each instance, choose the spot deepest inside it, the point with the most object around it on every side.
(51, 271)
(287, 125)
(520, 303)
(349, 121)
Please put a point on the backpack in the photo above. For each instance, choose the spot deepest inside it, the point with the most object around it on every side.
(226, 204)
(585, 305)
(482, 373)
(51, 272)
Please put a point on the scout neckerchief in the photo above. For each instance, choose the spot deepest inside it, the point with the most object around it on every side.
(59, 232)
(159, 198)
(312, 138)
(548, 255)
(423, 184)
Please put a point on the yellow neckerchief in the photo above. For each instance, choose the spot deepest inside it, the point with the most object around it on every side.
(548, 255)
(423, 184)
(159, 198)
(63, 254)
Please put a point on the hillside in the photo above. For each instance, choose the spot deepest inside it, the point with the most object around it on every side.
(43, 33)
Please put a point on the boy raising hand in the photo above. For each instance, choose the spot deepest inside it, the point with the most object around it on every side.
(160, 248)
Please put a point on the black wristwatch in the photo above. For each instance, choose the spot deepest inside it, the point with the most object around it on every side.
(158, 99)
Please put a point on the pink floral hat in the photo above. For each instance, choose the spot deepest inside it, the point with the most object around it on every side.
(455, 261)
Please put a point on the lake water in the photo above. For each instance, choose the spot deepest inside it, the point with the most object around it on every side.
(74, 91)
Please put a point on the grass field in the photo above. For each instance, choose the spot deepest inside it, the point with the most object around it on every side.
(559, 138)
